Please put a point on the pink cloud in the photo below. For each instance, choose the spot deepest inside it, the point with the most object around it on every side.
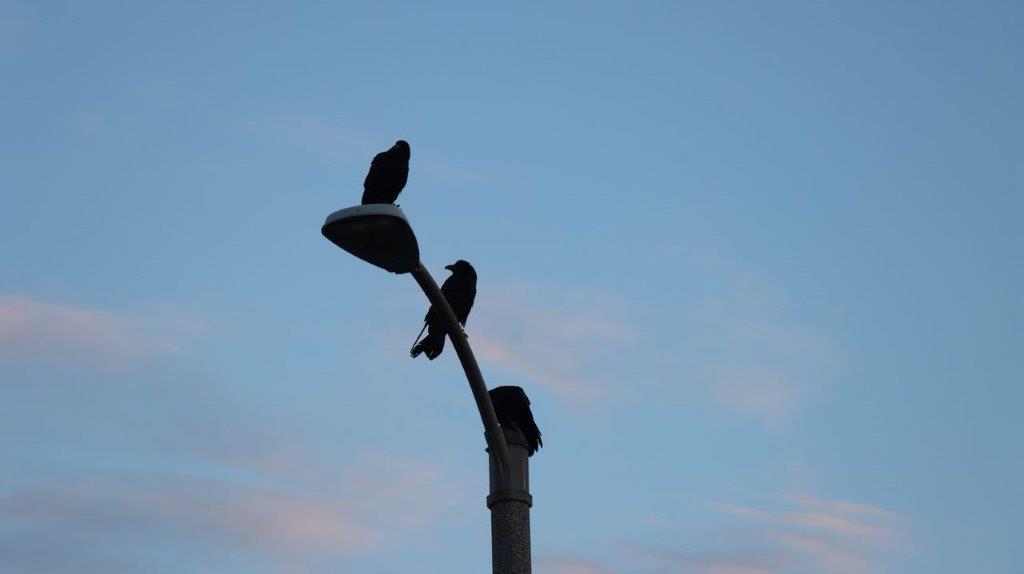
(261, 519)
(725, 567)
(569, 565)
(791, 535)
(369, 507)
(819, 515)
(840, 506)
(547, 367)
(559, 340)
(760, 390)
(737, 562)
(763, 367)
(833, 522)
(744, 511)
(756, 357)
(826, 536)
(32, 330)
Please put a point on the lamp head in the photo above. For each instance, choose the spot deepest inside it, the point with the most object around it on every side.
(377, 233)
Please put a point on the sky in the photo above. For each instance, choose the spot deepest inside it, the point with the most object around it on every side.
(757, 265)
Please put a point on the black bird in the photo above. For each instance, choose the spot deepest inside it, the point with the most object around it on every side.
(460, 291)
(388, 173)
(512, 407)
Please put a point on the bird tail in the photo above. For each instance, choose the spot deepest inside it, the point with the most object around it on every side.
(432, 345)
(532, 434)
(420, 335)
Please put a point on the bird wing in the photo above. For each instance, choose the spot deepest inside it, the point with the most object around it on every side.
(460, 293)
(449, 289)
(401, 174)
(431, 317)
(373, 176)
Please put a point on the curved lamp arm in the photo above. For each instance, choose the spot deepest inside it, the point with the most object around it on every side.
(492, 432)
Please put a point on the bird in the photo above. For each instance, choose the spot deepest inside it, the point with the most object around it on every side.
(512, 407)
(389, 171)
(459, 290)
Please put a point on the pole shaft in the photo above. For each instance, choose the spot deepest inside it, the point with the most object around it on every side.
(492, 432)
(510, 537)
(510, 503)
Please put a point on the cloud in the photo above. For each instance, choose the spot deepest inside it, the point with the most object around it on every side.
(794, 534)
(569, 565)
(176, 466)
(723, 567)
(829, 536)
(738, 348)
(760, 363)
(739, 341)
(705, 562)
(260, 519)
(761, 391)
(840, 506)
(33, 330)
(561, 340)
(730, 565)
(369, 507)
(822, 516)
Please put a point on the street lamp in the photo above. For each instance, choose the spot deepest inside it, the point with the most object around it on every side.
(380, 234)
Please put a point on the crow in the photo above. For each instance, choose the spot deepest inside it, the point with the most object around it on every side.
(388, 173)
(460, 291)
(512, 407)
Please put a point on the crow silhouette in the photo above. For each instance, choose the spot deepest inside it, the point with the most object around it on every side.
(388, 173)
(460, 291)
(512, 407)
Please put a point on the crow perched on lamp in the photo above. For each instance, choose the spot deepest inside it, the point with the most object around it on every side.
(512, 407)
(388, 173)
(459, 290)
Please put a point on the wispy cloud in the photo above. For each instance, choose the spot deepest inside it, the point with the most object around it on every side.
(840, 506)
(759, 561)
(367, 507)
(793, 534)
(569, 565)
(559, 339)
(760, 390)
(260, 519)
(33, 330)
(177, 466)
(818, 515)
(757, 359)
(819, 535)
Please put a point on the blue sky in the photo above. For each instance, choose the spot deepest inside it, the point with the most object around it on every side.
(757, 264)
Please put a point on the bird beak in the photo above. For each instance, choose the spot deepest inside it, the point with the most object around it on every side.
(450, 267)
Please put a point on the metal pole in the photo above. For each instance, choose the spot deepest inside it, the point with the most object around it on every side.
(492, 432)
(509, 499)
(510, 503)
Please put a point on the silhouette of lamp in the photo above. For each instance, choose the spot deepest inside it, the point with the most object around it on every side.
(380, 234)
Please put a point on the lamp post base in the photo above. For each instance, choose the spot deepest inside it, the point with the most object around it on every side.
(510, 503)
(510, 537)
